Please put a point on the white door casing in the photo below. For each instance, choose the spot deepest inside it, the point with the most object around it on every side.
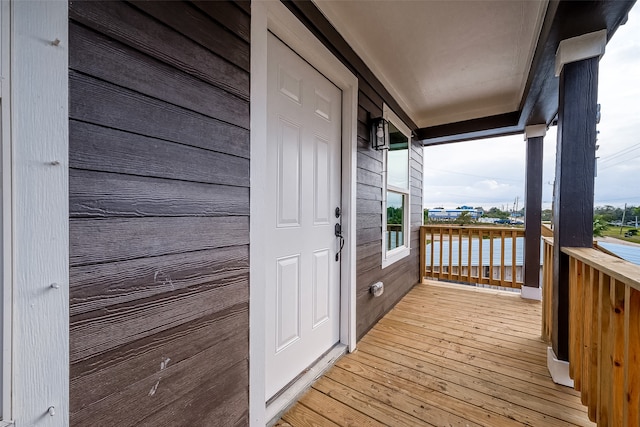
(303, 190)
(275, 17)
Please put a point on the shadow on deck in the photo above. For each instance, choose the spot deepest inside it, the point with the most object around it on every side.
(445, 355)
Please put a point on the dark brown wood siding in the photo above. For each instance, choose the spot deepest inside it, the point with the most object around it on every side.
(401, 276)
(159, 213)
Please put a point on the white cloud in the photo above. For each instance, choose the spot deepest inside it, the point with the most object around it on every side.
(492, 172)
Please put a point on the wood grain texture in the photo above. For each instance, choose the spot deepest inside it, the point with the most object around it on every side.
(159, 204)
(121, 65)
(369, 249)
(126, 110)
(410, 369)
(366, 220)
(118, 239)
(108, 150)
(368, 235)
(103, 330)
(187, 392)
(533, 214)
(102, 194)
(197, 26)
(96, 287)
(364, 206)
(123, 22)
(574, 184)
(369, 192)
(220, 400)
(140, 359)
(38, 204)
(370, 178)
(402, 275)
(368, 163)
(226, 14)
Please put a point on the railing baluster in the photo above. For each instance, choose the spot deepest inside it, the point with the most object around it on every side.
(586, 332)
(595, 344)
(632, 357)
(433, 248)
(469, 249)
(450, 253)
(480, 267)
(502, 280)
(441, 253)
(605, 365)
(617, 351)
(423, 261)
(604, 334)
(491, 282)
(547, 284)
(459, 276)
(514, 242)
(461, 259)
(572, 300)
(575, 313)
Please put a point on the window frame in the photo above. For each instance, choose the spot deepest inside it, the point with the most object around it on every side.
(392, 256)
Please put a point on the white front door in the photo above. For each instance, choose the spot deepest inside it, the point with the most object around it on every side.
(303, 276)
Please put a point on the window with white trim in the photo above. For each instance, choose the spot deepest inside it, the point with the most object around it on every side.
(395, 223)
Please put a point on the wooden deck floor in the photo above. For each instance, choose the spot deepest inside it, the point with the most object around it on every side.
(445, 356)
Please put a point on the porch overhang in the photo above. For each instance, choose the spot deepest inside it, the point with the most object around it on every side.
(563, 20)
(463, 70)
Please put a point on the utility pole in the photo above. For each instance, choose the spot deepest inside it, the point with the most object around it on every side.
(623, 214)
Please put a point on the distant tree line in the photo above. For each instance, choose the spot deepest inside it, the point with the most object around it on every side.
(609, 213)
(394, 215)
(604, 214)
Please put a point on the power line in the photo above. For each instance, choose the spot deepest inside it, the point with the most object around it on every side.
(614, 164)
(619, 198)
(475, 176)
(620, 153)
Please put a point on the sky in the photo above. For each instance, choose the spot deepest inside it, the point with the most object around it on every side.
(491, 172)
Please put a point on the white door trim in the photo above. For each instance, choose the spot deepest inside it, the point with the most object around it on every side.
(275, 17)
(38, 210)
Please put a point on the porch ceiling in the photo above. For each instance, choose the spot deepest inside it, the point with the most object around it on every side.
(444, 61)
(468, 69)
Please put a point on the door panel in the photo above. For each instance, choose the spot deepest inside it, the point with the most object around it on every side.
(303, 189)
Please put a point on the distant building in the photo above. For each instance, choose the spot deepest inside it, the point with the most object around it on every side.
(441, 214)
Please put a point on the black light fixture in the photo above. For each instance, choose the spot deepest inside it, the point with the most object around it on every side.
(379, 134)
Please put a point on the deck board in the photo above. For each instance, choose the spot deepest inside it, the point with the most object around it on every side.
(445, 355)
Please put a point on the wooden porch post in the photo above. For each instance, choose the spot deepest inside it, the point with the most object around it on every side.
(533, 212)
(577, 66)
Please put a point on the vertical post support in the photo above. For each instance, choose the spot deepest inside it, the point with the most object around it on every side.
(534, 135)
(39, 121)
(577, 66)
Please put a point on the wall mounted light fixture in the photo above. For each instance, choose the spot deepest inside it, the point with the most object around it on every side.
(379, 134)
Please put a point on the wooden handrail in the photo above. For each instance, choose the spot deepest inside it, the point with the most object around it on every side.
(545, 230)
(469, 264)
(617, 268)
(604, 331)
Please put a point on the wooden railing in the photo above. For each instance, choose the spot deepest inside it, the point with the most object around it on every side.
(547, 287)
(604, 332)
(478, 255)
(604, 335)
(394, 236)
(547, 280)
